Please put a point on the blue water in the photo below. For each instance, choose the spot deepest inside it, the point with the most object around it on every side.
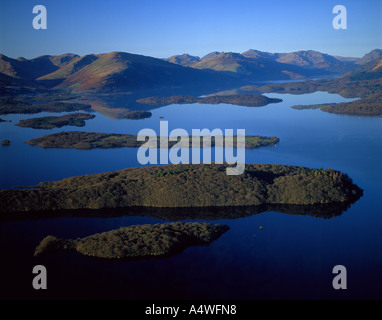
(291, 258)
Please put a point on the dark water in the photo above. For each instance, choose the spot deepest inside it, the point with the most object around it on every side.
(292, 257)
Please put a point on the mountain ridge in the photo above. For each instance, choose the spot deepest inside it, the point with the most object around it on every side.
(120, 71)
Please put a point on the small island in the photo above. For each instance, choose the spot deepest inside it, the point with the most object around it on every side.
(137, 241)
(185, 186)
(5, 142)
(248, 100)
(10, 106)
(137, 115)
(93, 140)
(71, 119)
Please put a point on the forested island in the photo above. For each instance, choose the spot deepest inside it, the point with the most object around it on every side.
(92, 140)
(184, 186)
(12, 106)
(137, 115)
(137, 241)
(248, 100)
(72, 119)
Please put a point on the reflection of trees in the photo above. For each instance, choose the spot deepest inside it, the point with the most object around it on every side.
(324, 211)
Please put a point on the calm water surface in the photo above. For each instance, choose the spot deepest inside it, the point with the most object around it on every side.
(291, 258)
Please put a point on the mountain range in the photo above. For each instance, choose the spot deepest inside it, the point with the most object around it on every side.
(121, 71)
(293, 61)
(108, 72)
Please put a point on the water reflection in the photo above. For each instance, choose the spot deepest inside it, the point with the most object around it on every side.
(324, 211)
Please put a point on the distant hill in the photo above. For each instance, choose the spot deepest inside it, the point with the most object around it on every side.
(210, 55)
(253, 67)
(226, 61)
(372, 55)
(316, 60)
(266, 65)
(251, 53)
(308, 59)
(185, 60)
(347, 59)
(31, 69)
(368, 71)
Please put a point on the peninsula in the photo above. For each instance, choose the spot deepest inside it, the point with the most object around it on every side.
(370, 106)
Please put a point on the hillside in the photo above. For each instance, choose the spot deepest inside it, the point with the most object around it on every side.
(71, 68)
(210, 55)
(186, 186)
(253, 68)
(368, 57)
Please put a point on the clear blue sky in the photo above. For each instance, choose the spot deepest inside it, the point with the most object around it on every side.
(162, 28)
